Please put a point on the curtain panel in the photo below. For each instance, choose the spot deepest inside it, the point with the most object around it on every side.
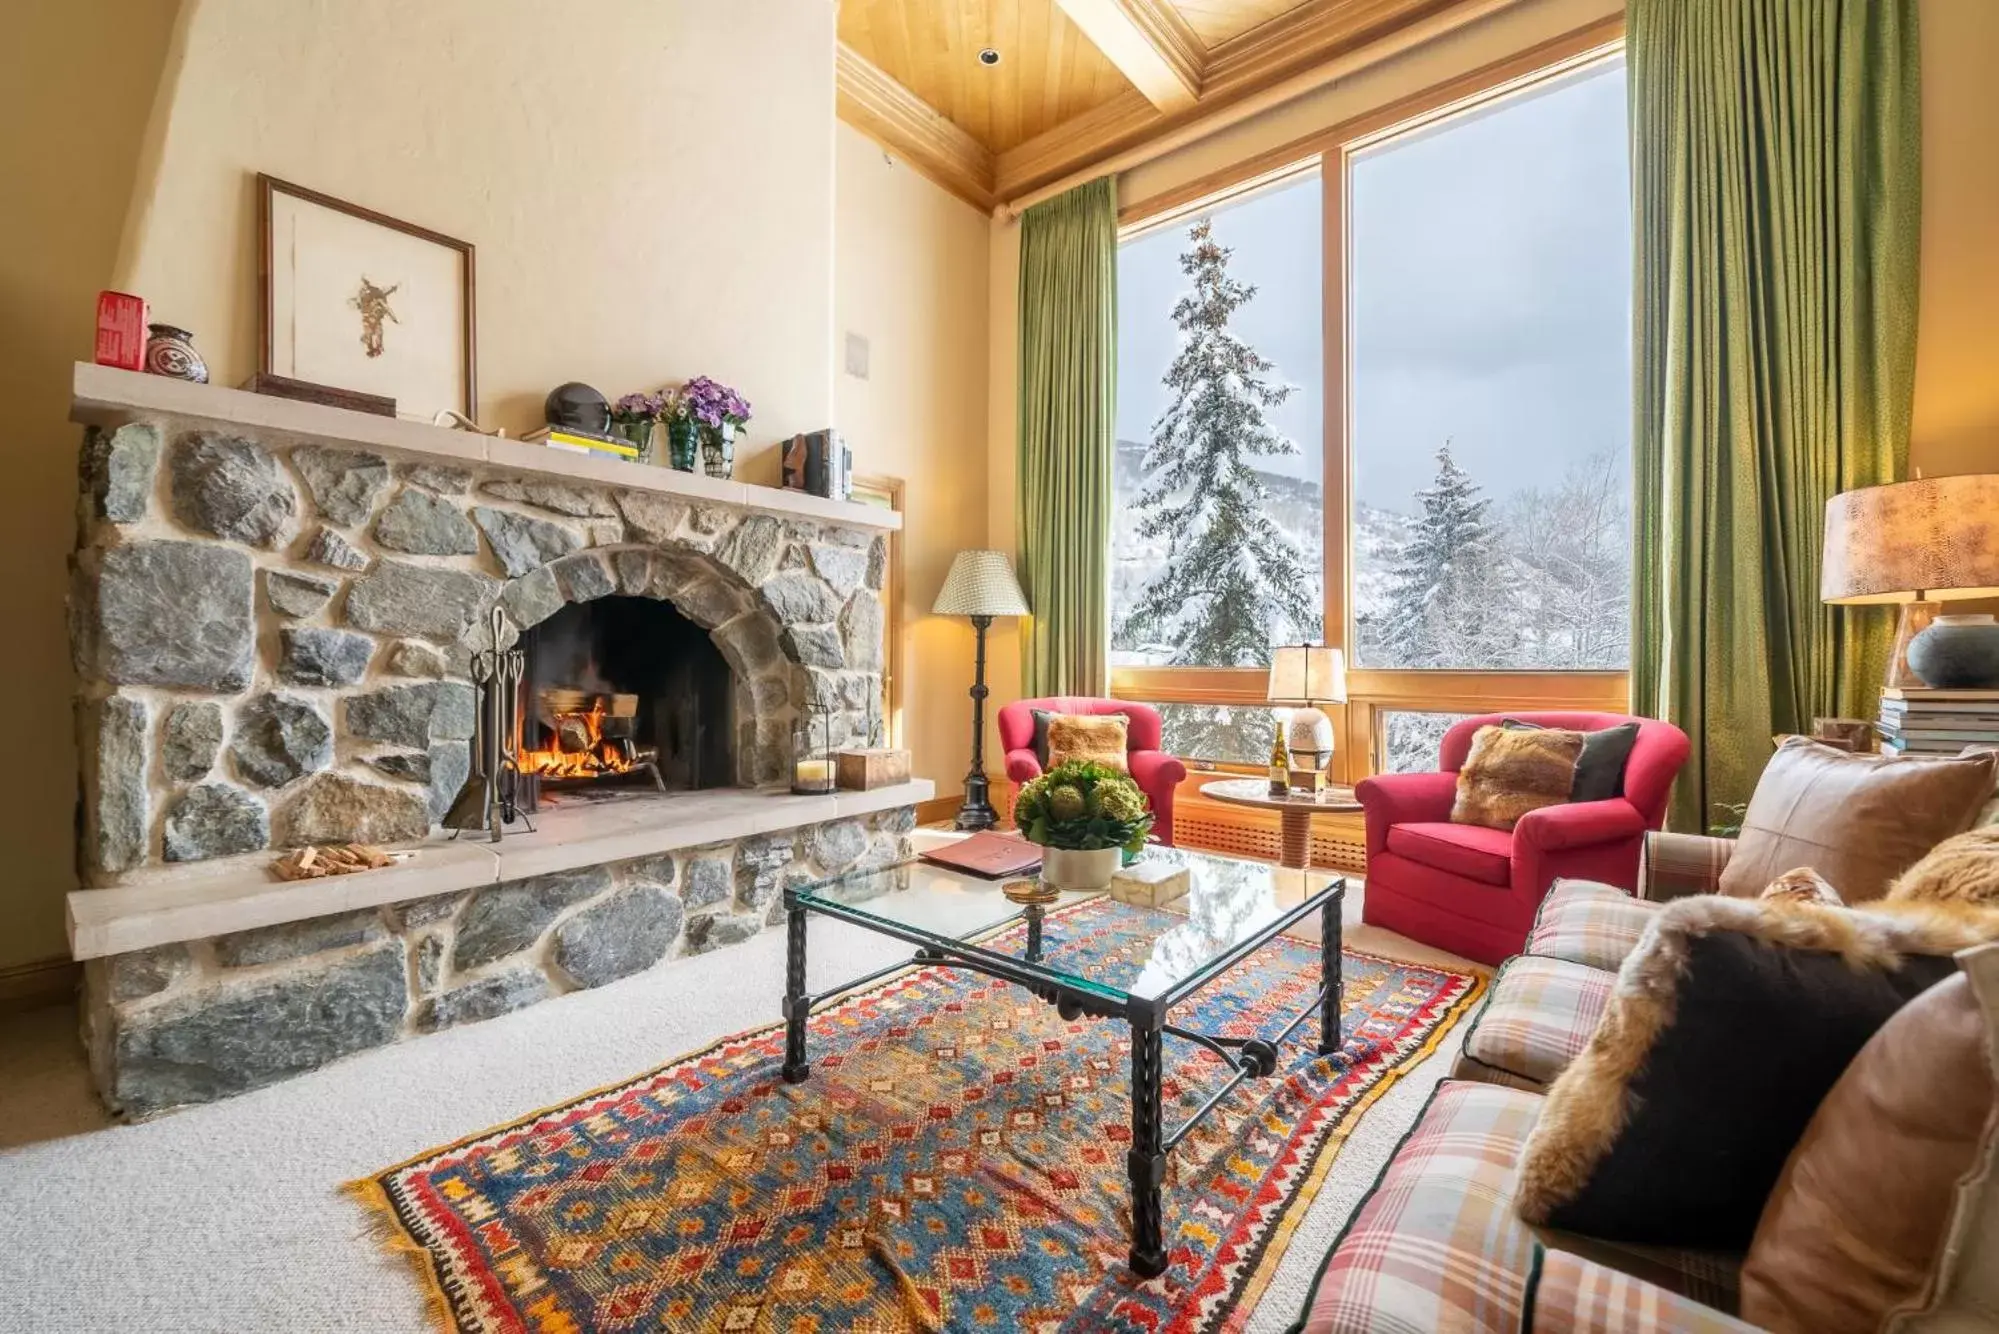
(1776, 200)
(1068, 408)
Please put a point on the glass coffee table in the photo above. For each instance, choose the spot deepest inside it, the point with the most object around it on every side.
(1231, 908)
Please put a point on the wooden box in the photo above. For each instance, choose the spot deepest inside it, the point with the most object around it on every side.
(862, 770)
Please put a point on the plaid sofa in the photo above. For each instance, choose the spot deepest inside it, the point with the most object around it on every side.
(1437, 1245)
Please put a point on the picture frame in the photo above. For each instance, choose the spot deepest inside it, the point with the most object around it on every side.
(354, 299)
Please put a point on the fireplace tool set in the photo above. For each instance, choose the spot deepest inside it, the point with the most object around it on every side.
(490, 799)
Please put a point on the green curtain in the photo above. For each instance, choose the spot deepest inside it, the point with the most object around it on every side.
(1776, 170)
(1068, 408)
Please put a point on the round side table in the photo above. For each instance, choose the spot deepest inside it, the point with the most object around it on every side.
(1295, 809)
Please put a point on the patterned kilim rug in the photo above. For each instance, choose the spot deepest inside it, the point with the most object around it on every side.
(955, 1162)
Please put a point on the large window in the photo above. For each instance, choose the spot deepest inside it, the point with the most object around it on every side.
(1490, 281)
(1382, 401)
(1218, 532)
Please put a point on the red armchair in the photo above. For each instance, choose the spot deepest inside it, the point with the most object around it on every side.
(1474, 891)
(1156, 772)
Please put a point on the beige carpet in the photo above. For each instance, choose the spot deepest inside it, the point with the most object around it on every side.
(228, 1218)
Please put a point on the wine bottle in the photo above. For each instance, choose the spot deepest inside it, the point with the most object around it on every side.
(1280, 764)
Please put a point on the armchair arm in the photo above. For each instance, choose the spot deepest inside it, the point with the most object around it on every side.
(1392, 799)
(1571, 1295)
(1155, 770)
(1677, 865)
(1578, 824)
(1021, 766)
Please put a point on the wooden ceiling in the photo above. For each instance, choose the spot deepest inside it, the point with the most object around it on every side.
(1078, 80)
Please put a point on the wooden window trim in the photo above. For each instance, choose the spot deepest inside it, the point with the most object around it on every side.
(1372, 691)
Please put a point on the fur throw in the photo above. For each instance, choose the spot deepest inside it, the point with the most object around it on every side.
(1964, 869)
(1590, 1102)
(1804, 885)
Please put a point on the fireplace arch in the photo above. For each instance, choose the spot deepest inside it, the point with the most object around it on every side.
(747, 629)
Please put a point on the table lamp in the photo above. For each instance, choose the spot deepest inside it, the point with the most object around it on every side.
(1304, 676)
(980, 585)
(1919, 544)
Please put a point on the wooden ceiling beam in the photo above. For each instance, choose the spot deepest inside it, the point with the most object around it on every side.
(911, 128)
(1149, 42)
(1294, 54)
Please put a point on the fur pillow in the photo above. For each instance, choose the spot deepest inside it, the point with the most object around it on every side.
(1510, 772)
(1964, 869)
(1100, 740)
(1726, 1028)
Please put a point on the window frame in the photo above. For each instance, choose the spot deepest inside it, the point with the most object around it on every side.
(1371, 692)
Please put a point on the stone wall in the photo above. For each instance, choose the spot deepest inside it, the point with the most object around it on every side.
(272, 639)
(190, 1023)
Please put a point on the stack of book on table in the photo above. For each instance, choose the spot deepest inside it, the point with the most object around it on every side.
(1920, 721)
(578, 441)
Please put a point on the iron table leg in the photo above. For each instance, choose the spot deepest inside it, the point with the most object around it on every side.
(1329, 976)
(1145, 1164)
(797, 1006)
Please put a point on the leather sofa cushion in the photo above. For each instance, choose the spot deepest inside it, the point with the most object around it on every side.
(1852, 1230)
(1858, 820)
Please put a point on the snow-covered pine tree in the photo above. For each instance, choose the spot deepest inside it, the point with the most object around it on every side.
(1449, 605)
(1234, 583)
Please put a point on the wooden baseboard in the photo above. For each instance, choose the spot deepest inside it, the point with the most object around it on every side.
(30, 986)
(938, 808)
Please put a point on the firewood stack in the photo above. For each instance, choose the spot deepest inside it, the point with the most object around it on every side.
(317, 861)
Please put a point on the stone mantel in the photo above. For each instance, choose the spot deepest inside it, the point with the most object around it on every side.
(165, 905)
(104, 396)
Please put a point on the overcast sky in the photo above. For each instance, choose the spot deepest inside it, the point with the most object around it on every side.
(1491, 290)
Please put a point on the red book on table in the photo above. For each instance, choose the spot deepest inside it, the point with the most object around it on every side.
(987, 855)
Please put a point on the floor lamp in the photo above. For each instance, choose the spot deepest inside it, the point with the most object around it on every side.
(980, 585)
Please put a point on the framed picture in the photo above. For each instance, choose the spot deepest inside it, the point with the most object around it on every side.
(886, 493)
(358, 300)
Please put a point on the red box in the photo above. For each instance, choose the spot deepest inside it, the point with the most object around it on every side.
(121, 331)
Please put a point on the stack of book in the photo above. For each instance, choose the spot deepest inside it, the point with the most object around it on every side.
(582, 442)
(1919, 721)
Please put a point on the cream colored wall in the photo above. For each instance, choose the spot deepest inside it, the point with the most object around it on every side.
(910, 276)
(647, 183)
(1956, 427)
(80, 76)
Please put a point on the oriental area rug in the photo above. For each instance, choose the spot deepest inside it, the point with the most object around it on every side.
(955, 1162)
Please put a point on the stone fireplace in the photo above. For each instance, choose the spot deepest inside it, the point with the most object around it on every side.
(274, 611)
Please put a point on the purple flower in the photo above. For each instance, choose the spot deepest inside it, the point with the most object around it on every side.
(710, 403)
(640, 407)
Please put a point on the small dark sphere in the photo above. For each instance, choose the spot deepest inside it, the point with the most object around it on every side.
(579, 407)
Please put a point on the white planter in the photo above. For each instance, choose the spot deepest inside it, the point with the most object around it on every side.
(1066, 868)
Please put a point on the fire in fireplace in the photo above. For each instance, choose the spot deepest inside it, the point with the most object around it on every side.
(624, 691)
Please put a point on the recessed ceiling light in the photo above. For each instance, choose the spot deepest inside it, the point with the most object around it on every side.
(988, 56)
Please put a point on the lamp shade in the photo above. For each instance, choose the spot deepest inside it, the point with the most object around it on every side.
(1307, 674)
(1932, 539)
(980, 583)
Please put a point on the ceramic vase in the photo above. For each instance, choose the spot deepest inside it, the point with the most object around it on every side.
(170, 352)
(718, 450)
(683, 444)
(1091, 870)
(1957, 653)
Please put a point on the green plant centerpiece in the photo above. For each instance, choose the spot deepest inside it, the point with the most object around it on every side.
(1088, 816)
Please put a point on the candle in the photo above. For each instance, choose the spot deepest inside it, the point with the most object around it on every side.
(812, 773)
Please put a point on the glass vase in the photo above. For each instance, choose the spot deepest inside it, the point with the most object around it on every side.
(718, 450)
(682, 444)
(640, 434)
